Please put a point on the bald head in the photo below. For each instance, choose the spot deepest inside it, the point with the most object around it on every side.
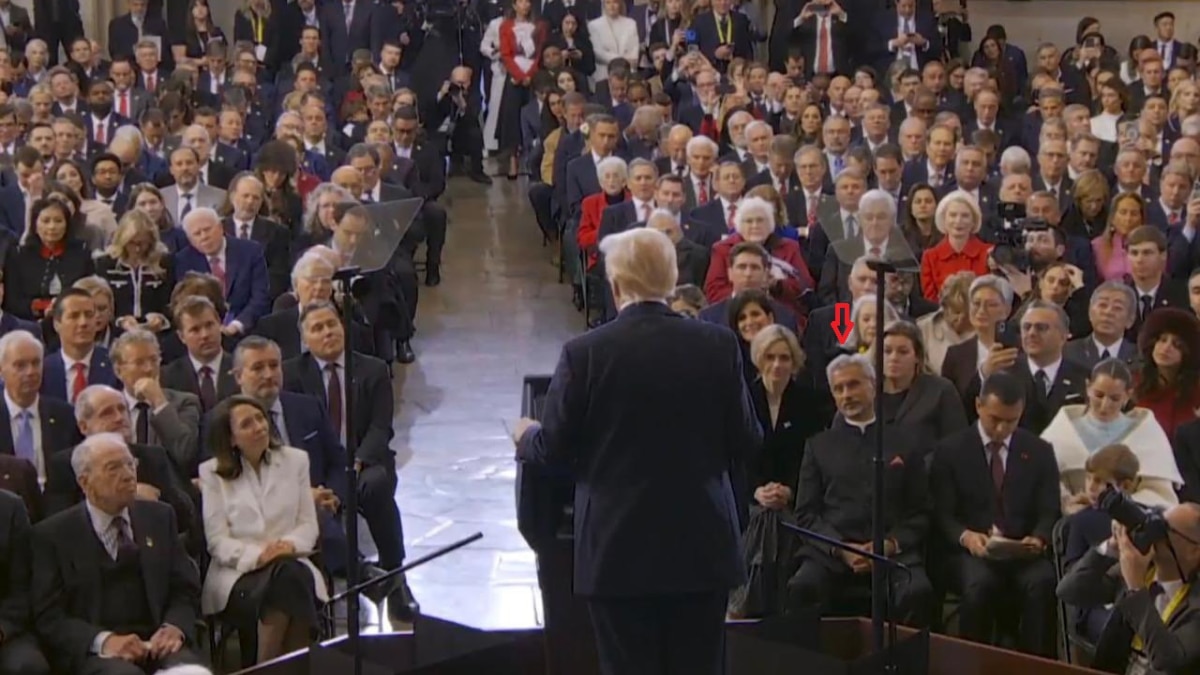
(349, 178)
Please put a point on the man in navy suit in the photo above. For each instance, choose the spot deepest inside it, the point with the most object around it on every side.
(321, 372)
(80, 361)
(341, 35)
(723, 35)
(581, 171)
(16, 196)
(907, 35)
(655, 572)
(238, 263)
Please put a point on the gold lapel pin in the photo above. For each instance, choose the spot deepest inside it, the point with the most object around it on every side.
(149, 542)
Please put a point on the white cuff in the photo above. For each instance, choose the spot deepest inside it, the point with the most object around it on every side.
(98, 643)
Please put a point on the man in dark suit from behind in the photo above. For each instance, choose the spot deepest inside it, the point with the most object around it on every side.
(321, 372)
(9, 321)
(113, 589)
(994, 479)
(604, 416)
(19, 651)
(830, 500)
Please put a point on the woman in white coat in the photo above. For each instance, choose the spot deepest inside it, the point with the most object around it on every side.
(490, 49)
(1078, 431)
(614, 36)
(261, 525)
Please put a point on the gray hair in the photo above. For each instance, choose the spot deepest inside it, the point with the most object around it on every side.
(1015, 159)
(1190, 126)
(850, 361)
(995, 282)
(252, 343)
(199, 214)
(137, 336)
(287, 115)
(304, 266)
(643, 261)
(660, 213)
(638, 162)
(751, 205)
(879, 199)
(1113, 286)
(890, 314)
(16, 337)
(81, 456)
(699, 140)
(756, 124)
(1064, 321)
(85, 407)
(612, 163)
(314, 198)
(127, 134)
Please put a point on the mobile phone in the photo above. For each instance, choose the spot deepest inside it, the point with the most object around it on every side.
(690, 36)
(1008, 335)
(1195, 193)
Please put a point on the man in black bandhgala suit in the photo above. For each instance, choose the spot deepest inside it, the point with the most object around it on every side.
(657, 447)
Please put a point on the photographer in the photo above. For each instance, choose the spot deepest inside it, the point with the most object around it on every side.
(1146, 571)
(456, 118)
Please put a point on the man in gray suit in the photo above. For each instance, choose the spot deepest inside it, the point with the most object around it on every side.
(162, 417)
(1112, 311)
(188, 192)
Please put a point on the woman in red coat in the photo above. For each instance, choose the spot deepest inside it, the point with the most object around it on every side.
(521, 40)
(613, 174)
(958, 218)
(789, 276)
(1168, 379)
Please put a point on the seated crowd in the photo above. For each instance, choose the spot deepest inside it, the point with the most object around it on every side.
(1040, 336)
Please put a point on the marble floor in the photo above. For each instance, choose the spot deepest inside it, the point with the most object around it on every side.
(499, 314)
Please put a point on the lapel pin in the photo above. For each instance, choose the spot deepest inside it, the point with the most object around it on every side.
(1067, 382)
(149, 542)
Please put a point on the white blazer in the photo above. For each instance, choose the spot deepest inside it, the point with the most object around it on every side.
(612, 39)
(243, 515)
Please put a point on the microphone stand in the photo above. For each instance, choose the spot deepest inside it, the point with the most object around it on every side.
(882, 568)
(344, 278)
(880, 588)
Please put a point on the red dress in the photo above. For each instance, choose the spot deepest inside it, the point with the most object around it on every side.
(942, 261)
(1170, 409)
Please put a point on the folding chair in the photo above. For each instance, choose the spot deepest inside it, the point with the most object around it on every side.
(1070, 639)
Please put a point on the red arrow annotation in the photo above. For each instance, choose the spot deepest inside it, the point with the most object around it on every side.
(842, 325)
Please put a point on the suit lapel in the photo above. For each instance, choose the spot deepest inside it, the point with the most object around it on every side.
(915, 392)
(51, 425)
(312, 380)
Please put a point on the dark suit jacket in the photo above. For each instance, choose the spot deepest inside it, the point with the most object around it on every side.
(154, 469)
(692, 260)
(66, 578)
(1171, 293)
(604, 416)
(111, 125)
(371, 426)
(18, 18)
(57, 420)
(965, 497)
(887, 24)
(9, 323)
(181, 376)
(339, 43)
(1093, 583)
(99, 371)
(708, 37)
(803, 413)
(931, 407)
(1182, 255)
(718, 313)
(16, 617)
(581, 182)
(1187, 457)
(28, 275)
(1084, 352)
(283, 327)
(834, 492)
(123, 34)
(806, 36)
(839, 259)
(276, 244)
(308, 428)
(247, 282)
(1069, 386)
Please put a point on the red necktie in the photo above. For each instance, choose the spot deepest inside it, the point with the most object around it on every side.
(730, 222)
(812, 212)
(123, 107)
(80, 381)
(101, 134)
(218, 271)
(823, 47)
(708, 127)
(151, 83)
(645, 211)
(703, 195)
(783, 187)
(1174, 219)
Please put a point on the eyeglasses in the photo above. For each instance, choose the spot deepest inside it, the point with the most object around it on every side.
(1035, 327)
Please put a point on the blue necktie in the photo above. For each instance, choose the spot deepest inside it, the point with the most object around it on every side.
(24, 448)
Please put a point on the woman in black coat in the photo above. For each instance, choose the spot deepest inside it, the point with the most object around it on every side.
(141, 273)
(52, 257)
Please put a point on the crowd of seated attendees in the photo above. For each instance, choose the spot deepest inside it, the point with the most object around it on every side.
(1040, 319)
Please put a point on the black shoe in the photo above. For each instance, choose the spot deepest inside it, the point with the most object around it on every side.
(433, 276)
(577, 297)
(381, 590)
(480, 177)
(404, 352)
(402, 606)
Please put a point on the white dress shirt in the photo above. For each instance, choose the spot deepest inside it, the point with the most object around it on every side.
(276, 413)
(1051, 370)
(1113, 350)
(215, 364)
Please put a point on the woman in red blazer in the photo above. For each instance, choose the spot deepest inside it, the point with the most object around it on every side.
(521, 40)
(613, 174)
(789, 278)
(958, 217)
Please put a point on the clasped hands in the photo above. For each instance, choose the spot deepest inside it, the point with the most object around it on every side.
(773, 496)
(860, 565)
(976, 543)
(166, 641)
(276, 549)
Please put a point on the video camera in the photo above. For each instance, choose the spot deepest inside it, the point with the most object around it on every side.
(1146, 526)
(1010, 236)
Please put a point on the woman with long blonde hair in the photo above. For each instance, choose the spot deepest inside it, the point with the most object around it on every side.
(141, 273)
